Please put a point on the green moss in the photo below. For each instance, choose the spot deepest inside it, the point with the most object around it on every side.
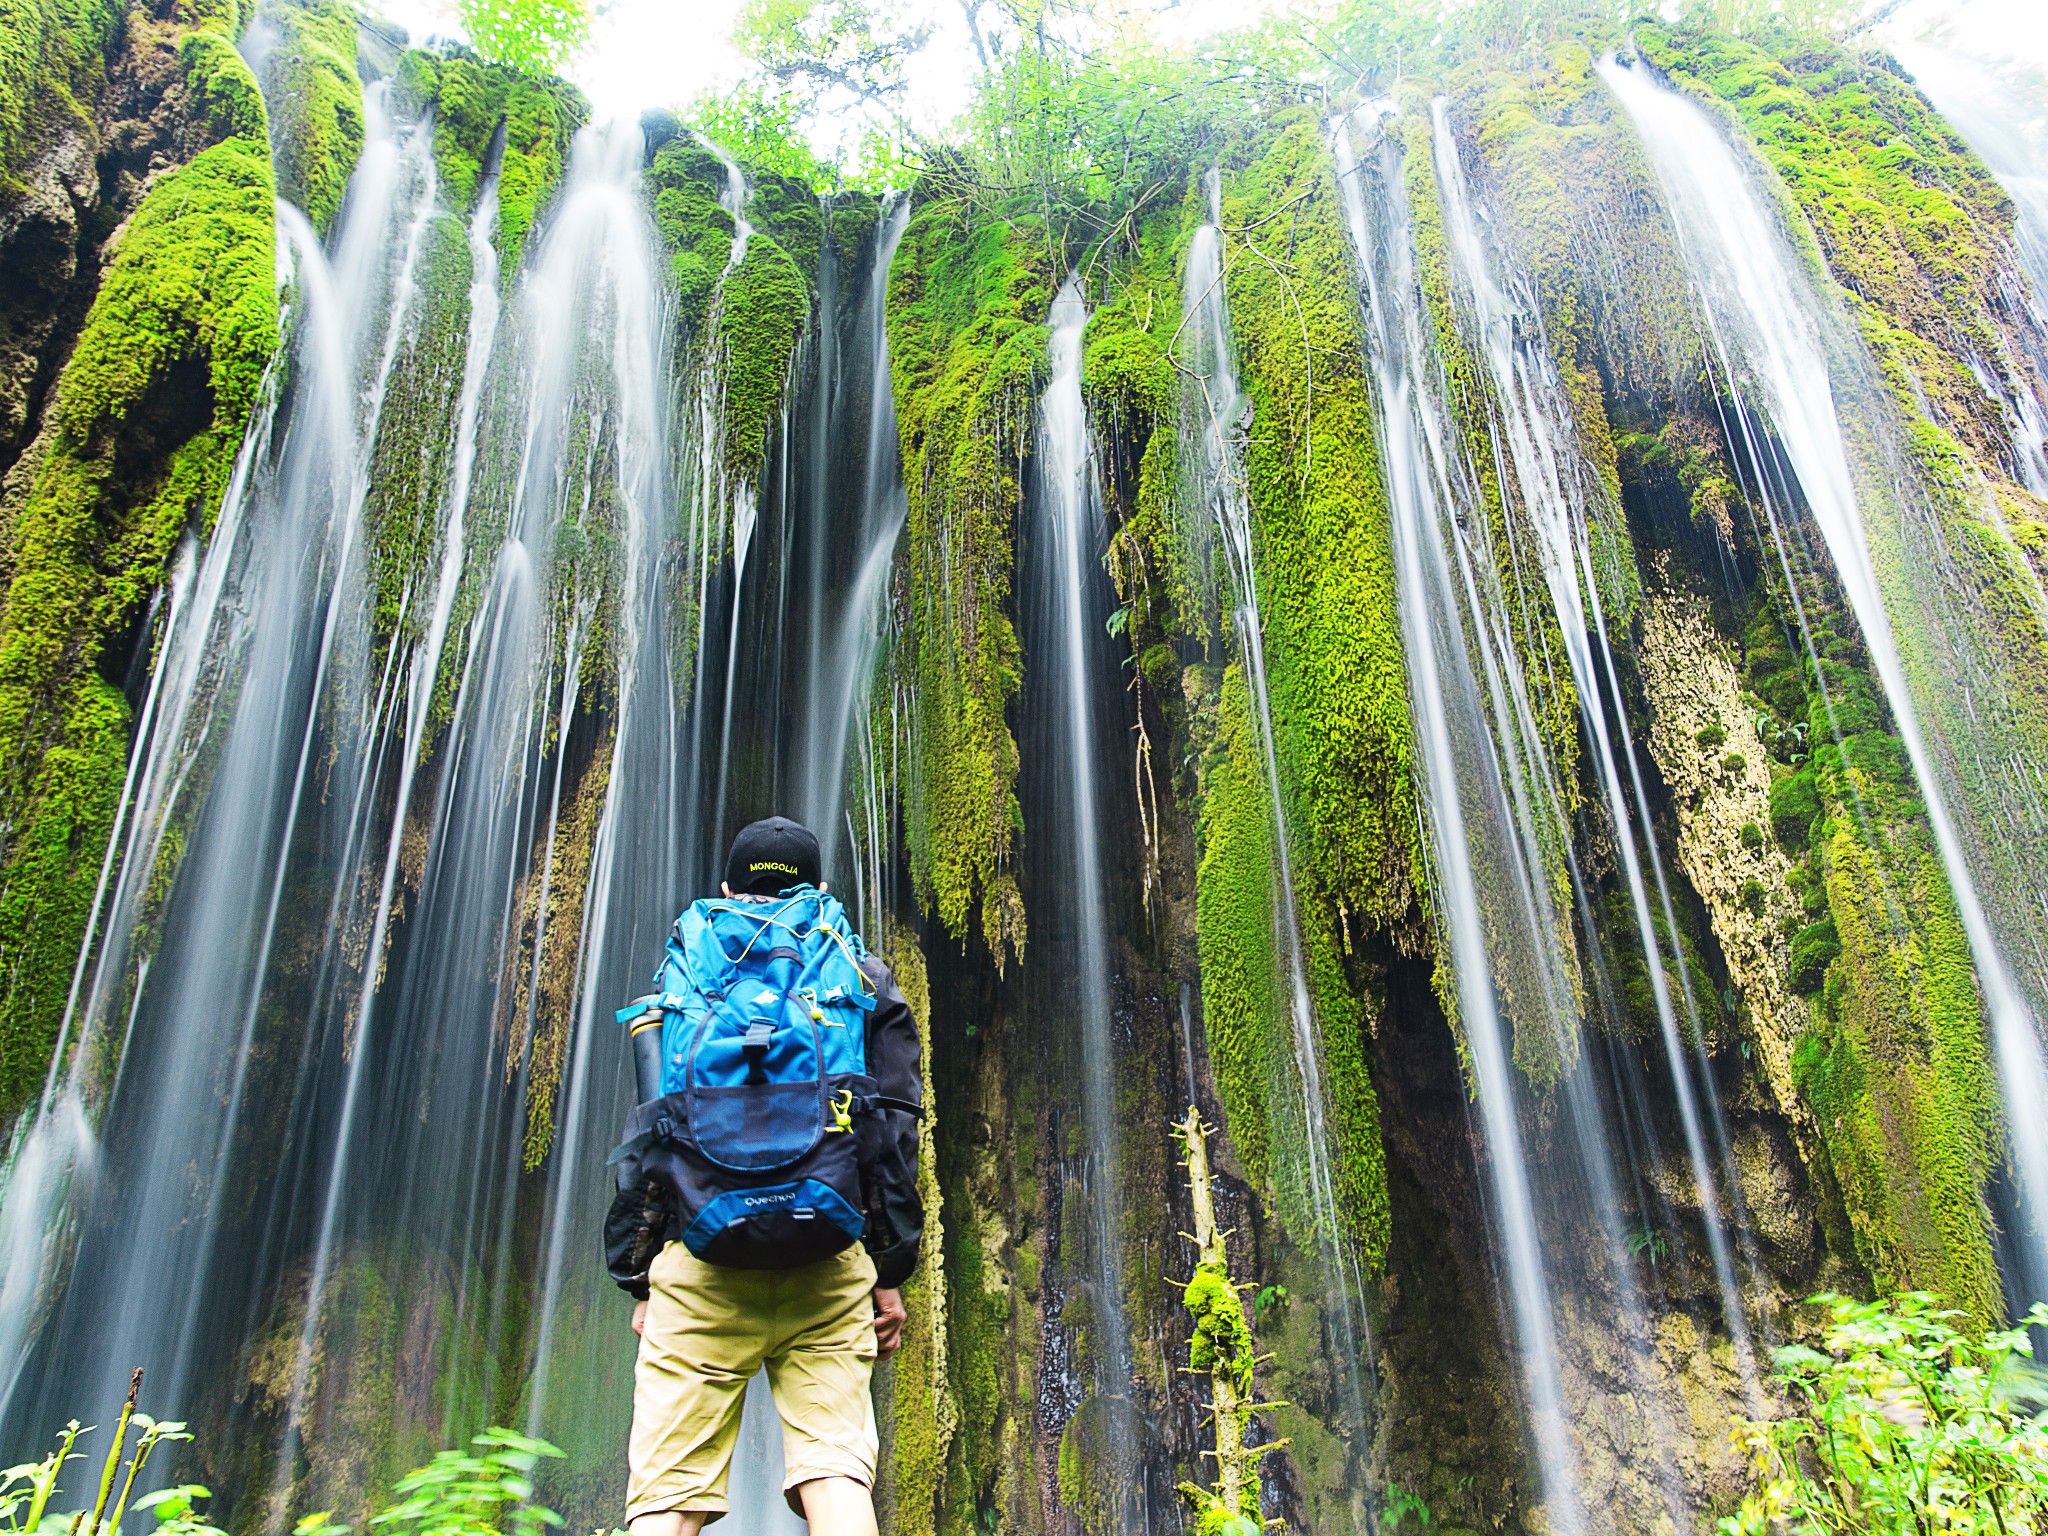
(224, 96)
(1814, 948)
(316, 103)
(143, 427)
(1326, 575)
(761, 313)
(789, 212)
(1795, 802)
(1894, 1065)
(1897, 1074)
(53, 62)
(470, 101)
(852, 219)
(744, 321)
(686, 179)
(1246, 1007)
(967, 299)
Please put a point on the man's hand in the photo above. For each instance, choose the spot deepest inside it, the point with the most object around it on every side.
(640, 1315)
(888, 1321)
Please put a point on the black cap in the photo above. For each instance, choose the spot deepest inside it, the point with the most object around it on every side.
(771, 856)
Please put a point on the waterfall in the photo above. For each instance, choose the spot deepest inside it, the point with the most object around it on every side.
(1219, 409)
(1069, 506)
(1558, 494)
(1772, 335)
(840, 678)
(1469, 782)
(274, 631)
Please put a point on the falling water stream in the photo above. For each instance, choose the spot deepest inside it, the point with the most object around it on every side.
(1068, 501)
(1559, 495)
(1494, 902)
(1773, 337)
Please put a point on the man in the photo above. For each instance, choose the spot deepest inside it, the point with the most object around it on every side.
(818, 1324)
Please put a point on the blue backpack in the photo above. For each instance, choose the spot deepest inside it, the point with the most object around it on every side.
(763, 1017)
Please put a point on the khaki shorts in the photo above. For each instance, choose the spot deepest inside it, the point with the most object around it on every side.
(708, 1330)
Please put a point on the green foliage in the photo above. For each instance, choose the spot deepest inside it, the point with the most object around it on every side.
(764, 132)
(1647, 1243)
(534, 37)
(483, 1492)
(1404, 1511)
(1901, 1425)
(316, 103)
(28, 1491)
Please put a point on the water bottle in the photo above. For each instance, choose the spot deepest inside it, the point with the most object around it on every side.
(643, 1029)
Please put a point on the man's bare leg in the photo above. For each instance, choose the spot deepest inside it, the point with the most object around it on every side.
(835, 1506)
(671, 1522)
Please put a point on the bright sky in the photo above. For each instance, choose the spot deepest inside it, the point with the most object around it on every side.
(649, 53)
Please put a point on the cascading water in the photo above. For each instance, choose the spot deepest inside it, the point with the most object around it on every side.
(1468, 783)
(1071, 517)
(473, 835)
(1559, 496)
(841, 677)
(275, 631)
(1776, 344)
(1218, 408)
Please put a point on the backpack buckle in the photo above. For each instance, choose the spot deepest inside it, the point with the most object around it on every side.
(755, 1049)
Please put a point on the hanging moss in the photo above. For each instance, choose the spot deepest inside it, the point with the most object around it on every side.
(142, 430)
(762, 311)
(1326, 574)
(755, 313)
(315, 101)
(470, 101)
(851, 219)
(686, 179)
(967, 299)
(788, 210)
(1246, 1004)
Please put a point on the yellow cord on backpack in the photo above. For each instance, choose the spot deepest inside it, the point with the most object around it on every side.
(842, 1111)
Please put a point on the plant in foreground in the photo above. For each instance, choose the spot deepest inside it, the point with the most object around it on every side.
(487, 1491)
(1901, 1424)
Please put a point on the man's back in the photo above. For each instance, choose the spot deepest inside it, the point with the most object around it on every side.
(767, 1206)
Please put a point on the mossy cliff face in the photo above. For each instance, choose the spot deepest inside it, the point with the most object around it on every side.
(308, 57)
(472, 102)
(134, 447)
(967, 304)
(741, 324)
